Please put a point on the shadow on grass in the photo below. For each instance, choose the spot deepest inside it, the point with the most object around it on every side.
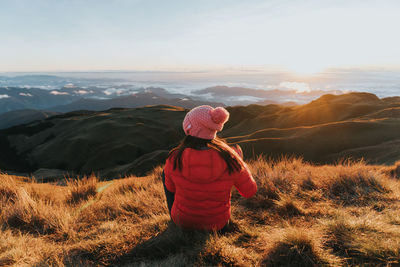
(172, 241)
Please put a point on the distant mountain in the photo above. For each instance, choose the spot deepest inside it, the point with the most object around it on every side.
(161, 92)
(70, 98)
(23, 116)
(22, 105)
(238, 95)
(131, 101)
(133, 141)
(14, 98)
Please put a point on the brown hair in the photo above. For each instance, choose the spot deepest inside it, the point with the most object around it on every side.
(233, 161)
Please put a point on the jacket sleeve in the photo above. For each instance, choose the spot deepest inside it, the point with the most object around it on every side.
(169, 183)
(245, 183)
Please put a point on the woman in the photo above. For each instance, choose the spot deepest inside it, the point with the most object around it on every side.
(200, 172)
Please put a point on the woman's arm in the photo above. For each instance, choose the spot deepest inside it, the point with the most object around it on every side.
(245, 183)
(169, 183)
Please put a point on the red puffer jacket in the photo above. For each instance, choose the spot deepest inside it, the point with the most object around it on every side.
(203, 189)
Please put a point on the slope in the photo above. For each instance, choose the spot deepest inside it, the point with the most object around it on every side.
(132, 141)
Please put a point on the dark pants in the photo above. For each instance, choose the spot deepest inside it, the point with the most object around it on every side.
(168, 194)
(170, 201)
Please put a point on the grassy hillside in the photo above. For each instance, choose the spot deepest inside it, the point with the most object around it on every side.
(302, 215)
(23, 116)
(119, 141)
(328, 129)
(112, 142)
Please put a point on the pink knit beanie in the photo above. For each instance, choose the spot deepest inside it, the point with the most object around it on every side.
(204, 121)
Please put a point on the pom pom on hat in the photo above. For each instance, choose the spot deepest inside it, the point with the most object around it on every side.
(204, 121)
(219, 115)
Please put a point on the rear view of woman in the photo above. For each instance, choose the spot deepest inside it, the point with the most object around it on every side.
(200, 173)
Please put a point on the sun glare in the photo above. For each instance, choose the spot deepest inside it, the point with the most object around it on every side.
(300, 87)
(306, 68)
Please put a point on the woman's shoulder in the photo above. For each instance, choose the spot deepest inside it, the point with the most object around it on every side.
(206, 152)
(192, 154)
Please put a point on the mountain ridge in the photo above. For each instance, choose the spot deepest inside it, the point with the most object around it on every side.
(122, 141)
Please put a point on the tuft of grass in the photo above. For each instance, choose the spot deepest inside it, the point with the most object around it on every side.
(145, 201)
(8, 188)
(340, 234)
(35, 217)
(363, 239)
(81, 189)
(308, 184)
(220, 251)
(273, 178)
(130, 186)
(287, 207)
(20, 249)
(355, 185)
(298, 247)
(394, 170)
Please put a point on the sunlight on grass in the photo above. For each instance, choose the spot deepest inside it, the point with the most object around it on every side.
(303, 214)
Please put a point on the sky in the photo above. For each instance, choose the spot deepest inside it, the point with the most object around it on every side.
(298, 35)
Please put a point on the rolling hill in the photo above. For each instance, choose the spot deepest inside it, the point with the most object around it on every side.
(23, 116)
(132, 141)
(109, 142)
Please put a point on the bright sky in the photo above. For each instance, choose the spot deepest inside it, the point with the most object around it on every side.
(304, 36)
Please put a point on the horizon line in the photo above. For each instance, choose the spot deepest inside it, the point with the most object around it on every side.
(199, 69)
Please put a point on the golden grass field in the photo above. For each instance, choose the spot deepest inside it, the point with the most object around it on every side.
(302, 215)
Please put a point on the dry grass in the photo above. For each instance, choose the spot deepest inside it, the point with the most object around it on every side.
(8, 188)
(36, 217)
(298, 247)
(393, 170)
(81, 189)
(302, 215)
